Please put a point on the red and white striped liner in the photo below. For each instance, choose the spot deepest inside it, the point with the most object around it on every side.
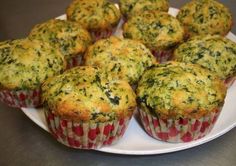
(162, 56)
(229, 82)
(74, 61)
(85, 135)
(21, 98)
(178, 130)
(102, 34)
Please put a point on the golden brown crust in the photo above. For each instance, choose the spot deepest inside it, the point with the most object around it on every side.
(85, 94)
(28, 63)
(69, 37)
(94, 14)
(122, 58)
(202, 17)
(175, 89)
(159, 31)
(213, 52)
(132, 7)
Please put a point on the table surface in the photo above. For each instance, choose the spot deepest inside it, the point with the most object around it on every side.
(24, 143)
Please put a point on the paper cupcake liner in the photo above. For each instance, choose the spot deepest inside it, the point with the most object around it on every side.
(21, 98)
(229, 82)
(178, 130)
(74, 61)
(102, 34)
(125, 18)
(162, 56)
(85, 135)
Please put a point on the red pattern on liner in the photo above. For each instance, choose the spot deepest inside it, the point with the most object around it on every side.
(196, 125)
(85, 135)
(178, 130)
(21, 98)
(162, 56)
(183, 121)
(107, 129)
(229, 81)
(74, 61)
(97, 35)
(173, 131)
(78, 130)
(187, 137)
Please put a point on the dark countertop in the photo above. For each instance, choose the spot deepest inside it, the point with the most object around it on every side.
(24, 143)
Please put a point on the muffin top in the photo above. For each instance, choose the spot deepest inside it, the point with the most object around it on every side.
(122, 58)
(85, 94)
(175, 90)
(157, 30)
(94, 14)
(5, 48)
(25, 63)
(132, 7)
(69, 37)
(215, 53)
(201, 17)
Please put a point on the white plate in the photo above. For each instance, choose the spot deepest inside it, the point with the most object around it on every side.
(137, 142)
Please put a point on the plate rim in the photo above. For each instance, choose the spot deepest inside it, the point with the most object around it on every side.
(145, 152)
(184, 146)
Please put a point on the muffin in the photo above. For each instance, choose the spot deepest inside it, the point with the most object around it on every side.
(132, 7)
(69, 37)
(179, 102)
(85, 110)
(123, 58)
(159, 31)
(215, 53)
(202, 17)
(5, 48)
(24, 65)
(100, 17)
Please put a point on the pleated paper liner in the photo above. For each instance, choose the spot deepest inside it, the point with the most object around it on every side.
(178, 130)
(85, 135)
(102, 34)
(162, 56)
(229, 82)
(74, 61)
(21, 98)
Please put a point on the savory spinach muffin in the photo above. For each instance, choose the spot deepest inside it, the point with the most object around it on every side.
(132, 7)
(159, 31)
(86, 110)
(179, 102)
(215, 53)
(24, 65)
(122, 58)
(100, 17)
(202, 17)
(5, 48)
(69, 37)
